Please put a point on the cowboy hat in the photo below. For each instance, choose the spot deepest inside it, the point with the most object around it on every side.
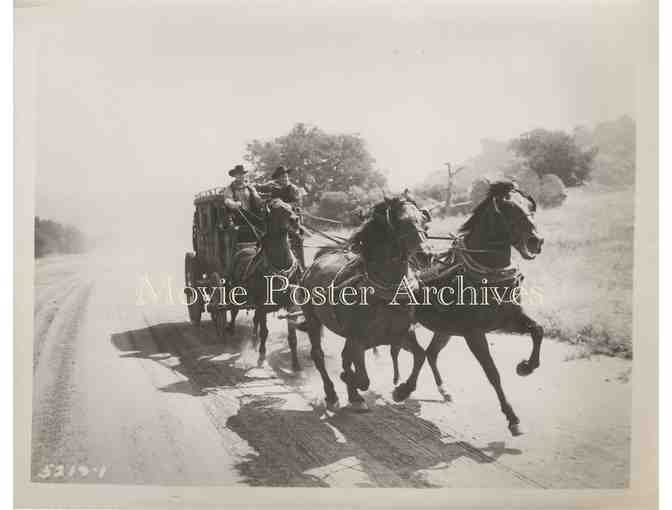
(237, 170)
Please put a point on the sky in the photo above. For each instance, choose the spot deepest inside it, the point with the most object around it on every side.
(158, 99)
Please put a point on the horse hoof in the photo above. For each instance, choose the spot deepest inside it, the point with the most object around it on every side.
(524, 369)
(401, 393)
(333, 406)
(444, 393)
(395, 380)
(359, 407)
(516, 429)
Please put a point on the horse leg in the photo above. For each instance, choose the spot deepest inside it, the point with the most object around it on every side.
(394, 354)
(255, 329)
(525, 324)
(410, 343)
(291, 336)
(263, 335)
(438, 342)
(314, 330)
(232, 323)
(478, 344)
(351, 354)
(357, 354)
(291, 339)
(347, 376)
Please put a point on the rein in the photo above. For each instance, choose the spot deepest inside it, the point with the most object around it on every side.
(262, 257)
(340, 241)
(249, 223)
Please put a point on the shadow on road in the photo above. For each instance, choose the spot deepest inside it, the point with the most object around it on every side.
(389, 447)
(301, 445)
(193, 351)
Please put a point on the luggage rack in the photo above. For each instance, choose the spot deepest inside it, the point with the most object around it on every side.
(208, 194)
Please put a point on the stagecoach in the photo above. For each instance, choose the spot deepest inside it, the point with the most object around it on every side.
(217, 234)
(216, 237)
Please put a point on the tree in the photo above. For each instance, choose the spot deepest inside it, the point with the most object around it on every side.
(555, 152)
(54, 237)
(322, 161)
(615, 164)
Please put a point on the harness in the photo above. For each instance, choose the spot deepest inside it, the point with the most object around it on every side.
(383, 291)
(460, 261)
(261, 261)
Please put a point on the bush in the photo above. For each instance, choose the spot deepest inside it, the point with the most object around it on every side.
(334, 204)
(552, 192)
(479, 191)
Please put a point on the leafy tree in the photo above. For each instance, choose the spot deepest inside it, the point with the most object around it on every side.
(322, 162)
(615, 164)
(555, 152)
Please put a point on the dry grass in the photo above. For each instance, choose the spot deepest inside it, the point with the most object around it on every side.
(584, 273)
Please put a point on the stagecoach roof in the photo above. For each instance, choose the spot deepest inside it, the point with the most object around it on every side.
(209, 195)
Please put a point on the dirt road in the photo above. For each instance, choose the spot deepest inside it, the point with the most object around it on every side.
(130, 393)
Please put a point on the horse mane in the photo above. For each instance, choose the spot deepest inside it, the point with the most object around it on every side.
(372, 231)
(497, 189)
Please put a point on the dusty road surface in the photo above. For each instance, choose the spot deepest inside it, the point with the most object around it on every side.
(132, 393)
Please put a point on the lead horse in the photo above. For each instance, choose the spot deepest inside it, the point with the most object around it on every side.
(273, 257)
(482, 251)
(379, 261)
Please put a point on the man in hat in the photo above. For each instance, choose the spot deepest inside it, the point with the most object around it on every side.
(239, 194)
(240, 197)
(281, 187)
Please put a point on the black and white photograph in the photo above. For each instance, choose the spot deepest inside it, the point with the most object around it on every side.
(321, 245)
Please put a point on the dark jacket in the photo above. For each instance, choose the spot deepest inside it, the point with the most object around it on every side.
(289, 193)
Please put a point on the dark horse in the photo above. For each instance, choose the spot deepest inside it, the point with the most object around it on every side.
(375, 266)
(481, 251)
(273, 257)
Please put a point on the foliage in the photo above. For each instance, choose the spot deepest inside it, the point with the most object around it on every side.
(54, 237)
(322, 161)
(552, 191)
(349, 207)
(555, 152)
(334, 204)
(615, 163)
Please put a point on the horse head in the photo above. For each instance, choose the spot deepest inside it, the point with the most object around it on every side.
(281, 217)
(510, 214)
(400, 218)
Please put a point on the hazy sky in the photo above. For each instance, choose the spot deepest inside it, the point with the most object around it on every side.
(166, 95)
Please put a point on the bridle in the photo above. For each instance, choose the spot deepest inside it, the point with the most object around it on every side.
(400, 237)
(508, 241)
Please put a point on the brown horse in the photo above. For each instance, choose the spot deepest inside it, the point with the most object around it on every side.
(274, 257)
(482, 250)
(375, 266)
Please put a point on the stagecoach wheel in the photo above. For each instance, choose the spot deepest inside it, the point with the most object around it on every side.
(191, 276)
